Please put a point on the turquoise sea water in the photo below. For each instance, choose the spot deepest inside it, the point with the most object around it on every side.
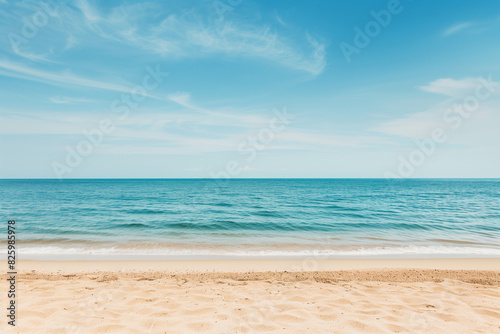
(270, 218)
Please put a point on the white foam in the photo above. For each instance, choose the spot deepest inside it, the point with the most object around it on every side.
(399, 251)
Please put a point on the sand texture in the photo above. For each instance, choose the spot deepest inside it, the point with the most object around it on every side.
(344, 301)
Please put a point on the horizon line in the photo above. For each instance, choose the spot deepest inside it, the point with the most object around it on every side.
(256, 178)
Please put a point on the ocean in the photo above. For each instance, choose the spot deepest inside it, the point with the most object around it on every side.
(253, 218)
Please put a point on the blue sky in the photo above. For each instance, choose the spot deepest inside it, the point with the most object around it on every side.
(233, 66)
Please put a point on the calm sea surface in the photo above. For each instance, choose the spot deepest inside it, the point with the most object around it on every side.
(269, 218)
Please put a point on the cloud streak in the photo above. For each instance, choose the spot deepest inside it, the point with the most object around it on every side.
(443, 115)
(457, 28)
(197, 35)
(458, 88)
(15, 70)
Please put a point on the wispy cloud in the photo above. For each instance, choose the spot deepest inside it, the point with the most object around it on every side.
(458, 88)
(71, 41)
(420, 125)
(91, 14)
(194, 35)
(16, 70)
(471, 27)
(157, 133)
(235, 117)
(452, 87)
(181, 98)
(314, 141)
(30, 55)
(457, 28)
(173, 33)
(67, 100)
(416, 125)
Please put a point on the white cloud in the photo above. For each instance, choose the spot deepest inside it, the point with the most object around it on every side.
(417, 125)
(15, 70)
(180, 98)
(194, 35)
(88, 11)
(30, 55)
(235, 117)
(457, 28)
(280, 20)
(420, 125)
(66, 100)
(154, 133)
(315, 141)
(70, 42)
(173, 33)
(452, 87)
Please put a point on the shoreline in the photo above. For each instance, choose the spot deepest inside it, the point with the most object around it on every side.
(259, 265)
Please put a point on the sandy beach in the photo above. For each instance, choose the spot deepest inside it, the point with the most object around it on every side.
(254, 296)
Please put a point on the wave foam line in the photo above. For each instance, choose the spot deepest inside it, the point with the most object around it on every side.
(403, 250)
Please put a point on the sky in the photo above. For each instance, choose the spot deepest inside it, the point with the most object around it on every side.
(249, 89)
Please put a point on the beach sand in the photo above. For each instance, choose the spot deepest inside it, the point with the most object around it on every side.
(254, 296)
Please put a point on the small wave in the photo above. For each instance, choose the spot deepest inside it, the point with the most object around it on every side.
(130, 225)
(223, 225)
(339, 207)
(223, 204)
(52, 241)
(486, 227)
(146, 211)
(49, 231)
(267, 213)
(350, 215)
(380, 226)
